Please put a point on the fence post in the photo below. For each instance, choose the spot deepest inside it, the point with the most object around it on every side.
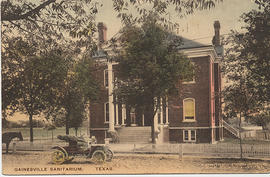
(134, 147)
(180, 151)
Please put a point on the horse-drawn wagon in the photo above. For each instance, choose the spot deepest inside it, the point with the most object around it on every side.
(98, 153)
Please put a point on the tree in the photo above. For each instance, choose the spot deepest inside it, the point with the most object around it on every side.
(248, 59)
(47, 25)
(240, 102)
(49, 20)
(141, 9)
(246, 66)
(30, 81)
(150, 67)
(80, 87)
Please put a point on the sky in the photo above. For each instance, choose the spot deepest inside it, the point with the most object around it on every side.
(197, 26)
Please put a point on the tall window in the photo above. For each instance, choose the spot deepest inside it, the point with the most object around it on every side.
(106, 112)
(189, 109)
(106, 80)
(189, 135)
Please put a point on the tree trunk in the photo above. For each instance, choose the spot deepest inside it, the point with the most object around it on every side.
(240, 137)
(153, 136)
(31, 127)
(67, 123)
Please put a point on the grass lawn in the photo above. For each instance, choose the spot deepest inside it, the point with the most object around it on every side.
(41, 133)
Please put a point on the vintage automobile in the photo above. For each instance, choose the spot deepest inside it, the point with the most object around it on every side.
(98, 153)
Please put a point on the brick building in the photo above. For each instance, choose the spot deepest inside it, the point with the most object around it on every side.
(192, 117)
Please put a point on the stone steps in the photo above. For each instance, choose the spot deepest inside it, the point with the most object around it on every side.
(134, 135)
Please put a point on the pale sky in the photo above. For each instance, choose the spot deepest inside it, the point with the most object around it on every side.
(196, 26)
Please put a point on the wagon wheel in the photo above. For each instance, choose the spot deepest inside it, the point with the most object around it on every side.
(58, 157)
(99, 156)
(109, 155)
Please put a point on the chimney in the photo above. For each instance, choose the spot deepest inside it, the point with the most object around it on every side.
(102, 33)
(216, 38)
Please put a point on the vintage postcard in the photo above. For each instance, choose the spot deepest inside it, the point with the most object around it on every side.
(135, 87)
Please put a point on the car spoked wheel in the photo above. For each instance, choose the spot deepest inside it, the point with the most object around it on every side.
(58, 157)
(99, 157)
(109, 155)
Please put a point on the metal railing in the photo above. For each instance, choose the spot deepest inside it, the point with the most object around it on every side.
(231, 129)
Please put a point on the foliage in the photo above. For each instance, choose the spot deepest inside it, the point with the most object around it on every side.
(149, 66)
(134, 11)
(49, 22)
(30, 81)
(247, 67)
(80, 86)
(262, 118)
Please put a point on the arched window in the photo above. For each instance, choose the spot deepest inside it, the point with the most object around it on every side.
(189, 109)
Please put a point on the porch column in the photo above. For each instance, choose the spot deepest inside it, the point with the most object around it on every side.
(155, 117)
(116, 114)
(143, 120)
(161, 112)
(110, 92)
(124, 114)
(167, 111)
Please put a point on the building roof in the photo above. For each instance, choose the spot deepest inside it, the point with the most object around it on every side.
(188, 43)
(184, 43)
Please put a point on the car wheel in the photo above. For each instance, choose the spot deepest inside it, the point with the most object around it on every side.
(98, 156)
(58, 157)
(109, 155)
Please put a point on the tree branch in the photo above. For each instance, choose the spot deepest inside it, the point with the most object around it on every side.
(35, 11)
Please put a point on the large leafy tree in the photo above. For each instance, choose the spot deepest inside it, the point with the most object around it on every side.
(248, 61)
(79, 88)
(42, 27)
(30, 81)
(150, 67)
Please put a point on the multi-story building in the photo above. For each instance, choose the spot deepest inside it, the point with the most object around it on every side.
(192, 117)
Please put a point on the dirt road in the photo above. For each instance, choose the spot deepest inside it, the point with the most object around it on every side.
(40, 163)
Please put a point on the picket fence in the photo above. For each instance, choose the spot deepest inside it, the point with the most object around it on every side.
(229, 150)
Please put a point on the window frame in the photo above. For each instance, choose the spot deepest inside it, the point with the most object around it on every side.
(106, 79)
(105, 113)
(189, 120)
(189, 136)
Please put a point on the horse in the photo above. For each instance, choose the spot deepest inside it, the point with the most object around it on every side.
(8, 136)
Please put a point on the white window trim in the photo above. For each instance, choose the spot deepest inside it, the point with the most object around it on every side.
(106, 70)
(105, 121)
(190, 82)
(189, 120)
(189, 136)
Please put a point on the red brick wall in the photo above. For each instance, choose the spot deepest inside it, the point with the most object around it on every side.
(97, 111)
(199, 91)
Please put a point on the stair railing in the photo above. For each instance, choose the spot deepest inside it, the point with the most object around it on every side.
(231, 129)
